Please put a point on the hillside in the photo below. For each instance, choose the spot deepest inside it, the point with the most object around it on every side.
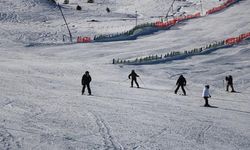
(40, 78)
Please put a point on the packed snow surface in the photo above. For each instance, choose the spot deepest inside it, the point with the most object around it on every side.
(40, 78)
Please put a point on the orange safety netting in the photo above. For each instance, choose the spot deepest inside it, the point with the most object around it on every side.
(175, 20)
(222, 6)
(83, 39)
(238, 39)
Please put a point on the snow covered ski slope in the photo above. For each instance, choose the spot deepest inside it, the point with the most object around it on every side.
(41, 106)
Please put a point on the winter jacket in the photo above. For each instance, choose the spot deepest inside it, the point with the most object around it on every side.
(229, 80)
(133, 75)
(181, 81)
(86, 79)
(205, 92)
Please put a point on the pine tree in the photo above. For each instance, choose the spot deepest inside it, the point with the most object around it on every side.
(90, 1)
(66, 1)
(53, 1)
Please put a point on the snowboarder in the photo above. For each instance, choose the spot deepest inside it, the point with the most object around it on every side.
(133, 75)
(206, 95)
(86, 79)
(181, 82)
(229, 80)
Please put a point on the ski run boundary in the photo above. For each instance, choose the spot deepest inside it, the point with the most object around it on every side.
(177, 55)
(150, 28)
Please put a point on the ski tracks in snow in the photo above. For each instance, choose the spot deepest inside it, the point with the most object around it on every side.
(105, 131)
(200, 137)
(9, 17)
(153, 137)
(202, 133)
(7, 140)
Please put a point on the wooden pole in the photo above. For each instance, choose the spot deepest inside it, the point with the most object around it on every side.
(70, 35)
(171, 7)
(201, 8)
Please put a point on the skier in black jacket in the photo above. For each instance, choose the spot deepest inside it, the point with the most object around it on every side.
(229, 80)
(181, 82)
(86, 79)
(133, 75)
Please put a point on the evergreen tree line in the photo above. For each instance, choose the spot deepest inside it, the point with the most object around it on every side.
(53, 1)
(127, 33)
(67, 1)
(169, 55)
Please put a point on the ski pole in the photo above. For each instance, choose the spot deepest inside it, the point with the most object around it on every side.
(174, 87)
(189, 90)
(125, 80)
(223, 85)
(142, 81)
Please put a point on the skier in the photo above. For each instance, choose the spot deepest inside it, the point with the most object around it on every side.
(229, 80)
(78, 7)
(108, 10)
(181, 82)
(206, 95)
(86, 79)
(133, 75)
